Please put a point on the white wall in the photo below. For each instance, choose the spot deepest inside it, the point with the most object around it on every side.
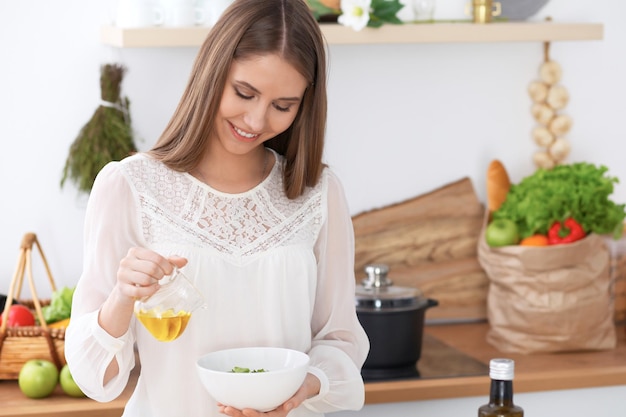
(404, 119)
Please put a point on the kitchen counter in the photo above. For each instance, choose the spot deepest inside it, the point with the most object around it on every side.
(537, 372)
(14, 403)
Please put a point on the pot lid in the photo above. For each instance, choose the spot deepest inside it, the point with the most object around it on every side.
(378, 292)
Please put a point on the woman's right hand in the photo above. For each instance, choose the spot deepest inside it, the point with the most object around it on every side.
(137, 276)
(140, 271)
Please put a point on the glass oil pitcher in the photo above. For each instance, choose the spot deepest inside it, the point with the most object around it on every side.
(166, 313)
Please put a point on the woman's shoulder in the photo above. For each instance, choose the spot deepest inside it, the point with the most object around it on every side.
(327, 187)
(329, 180)
(114, 171)
(139, 159)
(142, 166)
(130, 162)
(141, 172)
(329, 174)
(112, 177)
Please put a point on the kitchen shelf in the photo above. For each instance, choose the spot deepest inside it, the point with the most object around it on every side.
(336, 34)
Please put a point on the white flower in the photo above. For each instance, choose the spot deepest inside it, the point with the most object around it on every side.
(355, 13)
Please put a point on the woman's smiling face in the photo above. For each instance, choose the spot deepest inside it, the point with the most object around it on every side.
(261, 99)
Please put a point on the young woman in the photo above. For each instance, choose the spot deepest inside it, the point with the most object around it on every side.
(235, 193)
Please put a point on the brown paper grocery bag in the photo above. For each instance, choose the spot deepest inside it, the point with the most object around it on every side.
(549, 299)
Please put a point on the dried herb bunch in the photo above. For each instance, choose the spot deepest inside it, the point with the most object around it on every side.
(106, 137)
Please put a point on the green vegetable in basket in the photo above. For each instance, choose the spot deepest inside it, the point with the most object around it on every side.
(580, 191)
(60, 306)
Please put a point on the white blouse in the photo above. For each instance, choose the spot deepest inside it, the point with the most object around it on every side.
(274, 272)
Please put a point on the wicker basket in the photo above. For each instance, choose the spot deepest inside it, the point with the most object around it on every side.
(20, 344)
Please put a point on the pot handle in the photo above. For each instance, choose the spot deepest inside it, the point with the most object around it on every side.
(431, 303)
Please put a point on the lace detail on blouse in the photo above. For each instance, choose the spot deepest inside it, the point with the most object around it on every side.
(178, 209)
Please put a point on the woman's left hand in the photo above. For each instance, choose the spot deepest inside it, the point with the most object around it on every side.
(310, 388)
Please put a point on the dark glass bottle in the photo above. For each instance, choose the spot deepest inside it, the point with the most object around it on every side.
(500, 404)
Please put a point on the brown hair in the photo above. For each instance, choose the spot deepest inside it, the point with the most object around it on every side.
(248, 28)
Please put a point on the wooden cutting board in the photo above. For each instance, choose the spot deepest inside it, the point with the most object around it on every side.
(430, 242)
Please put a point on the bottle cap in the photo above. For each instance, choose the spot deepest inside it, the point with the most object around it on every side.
(501, 369)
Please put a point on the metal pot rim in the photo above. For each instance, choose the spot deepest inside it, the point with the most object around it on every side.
(393, 304)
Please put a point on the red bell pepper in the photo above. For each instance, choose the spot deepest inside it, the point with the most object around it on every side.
(571, 232)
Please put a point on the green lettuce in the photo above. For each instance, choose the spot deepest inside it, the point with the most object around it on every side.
(60, 306)
(580, 190)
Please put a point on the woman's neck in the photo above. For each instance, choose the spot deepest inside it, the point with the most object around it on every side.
(232, 173)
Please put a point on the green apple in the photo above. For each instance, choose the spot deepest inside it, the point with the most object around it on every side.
(501, 232)
(38, 378)
(68, 384)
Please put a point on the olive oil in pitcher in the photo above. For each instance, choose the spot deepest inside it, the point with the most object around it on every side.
(165, 326)
(500, 404)
(166, 313)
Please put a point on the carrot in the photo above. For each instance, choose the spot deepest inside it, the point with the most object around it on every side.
(535, 240)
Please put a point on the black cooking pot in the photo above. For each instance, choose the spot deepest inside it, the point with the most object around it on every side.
(393, 318)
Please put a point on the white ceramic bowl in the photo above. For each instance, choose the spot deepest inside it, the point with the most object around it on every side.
(285, 370)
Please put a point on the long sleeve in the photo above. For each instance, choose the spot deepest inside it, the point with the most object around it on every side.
(111, 228)
(340, 344)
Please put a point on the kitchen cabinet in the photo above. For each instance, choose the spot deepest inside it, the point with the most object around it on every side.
(336, 34)
(537, 373)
